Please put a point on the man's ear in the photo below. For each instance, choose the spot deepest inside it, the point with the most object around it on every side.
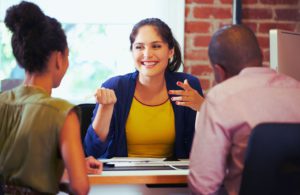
(220, 74)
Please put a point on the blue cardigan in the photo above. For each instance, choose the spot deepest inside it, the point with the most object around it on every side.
(124, 86)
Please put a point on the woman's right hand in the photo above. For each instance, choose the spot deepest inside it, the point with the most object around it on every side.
(105, 96)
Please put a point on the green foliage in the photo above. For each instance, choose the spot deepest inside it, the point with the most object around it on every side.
(92, 57)
(7, 60)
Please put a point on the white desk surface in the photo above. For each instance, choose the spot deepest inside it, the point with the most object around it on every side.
(134, 182)
(142, 173)
(140, 177)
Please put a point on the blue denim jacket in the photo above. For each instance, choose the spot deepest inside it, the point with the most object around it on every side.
(124, 86)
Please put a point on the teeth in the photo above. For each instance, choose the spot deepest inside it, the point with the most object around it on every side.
(149, 63)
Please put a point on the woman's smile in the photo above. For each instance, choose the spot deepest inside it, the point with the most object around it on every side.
(149, 64)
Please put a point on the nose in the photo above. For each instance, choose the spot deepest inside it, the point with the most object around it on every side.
(148, 52)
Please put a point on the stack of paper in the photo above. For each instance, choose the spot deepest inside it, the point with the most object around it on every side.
(143, 162)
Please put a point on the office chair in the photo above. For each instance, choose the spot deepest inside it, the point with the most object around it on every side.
(272, 161)
(86, 113)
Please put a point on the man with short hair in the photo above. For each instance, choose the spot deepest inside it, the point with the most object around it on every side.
(246, 94)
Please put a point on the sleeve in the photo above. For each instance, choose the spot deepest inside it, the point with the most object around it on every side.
(63, 108)
(195, 84)
(209, 152)
(190, 116)
(93, 146)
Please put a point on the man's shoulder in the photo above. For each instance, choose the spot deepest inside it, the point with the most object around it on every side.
(225, 89)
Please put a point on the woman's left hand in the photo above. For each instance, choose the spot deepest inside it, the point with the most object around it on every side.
(187, 97)
(93, 166)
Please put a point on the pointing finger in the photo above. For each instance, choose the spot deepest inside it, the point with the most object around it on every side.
(185, 85)
(186, 82)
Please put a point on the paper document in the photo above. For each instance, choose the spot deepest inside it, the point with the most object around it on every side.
(131, 159)
(144, 162)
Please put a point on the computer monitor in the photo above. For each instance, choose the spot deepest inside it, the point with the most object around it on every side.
(285, 52)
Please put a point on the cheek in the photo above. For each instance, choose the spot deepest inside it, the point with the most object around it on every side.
(136, 57)
(135, 60)
(165, 57)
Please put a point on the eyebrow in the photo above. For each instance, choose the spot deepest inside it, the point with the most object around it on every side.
(141, 43)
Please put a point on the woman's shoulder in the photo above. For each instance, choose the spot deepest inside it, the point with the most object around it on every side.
(119, 81)
(59, 104)
(181, 76)
(119, 78)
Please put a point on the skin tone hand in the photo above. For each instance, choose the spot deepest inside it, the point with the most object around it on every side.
(187, 97)
(106, 99)
(93, 166)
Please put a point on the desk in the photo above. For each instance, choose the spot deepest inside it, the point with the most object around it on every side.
(139, 182)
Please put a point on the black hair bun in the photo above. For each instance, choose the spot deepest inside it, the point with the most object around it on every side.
(25, 16)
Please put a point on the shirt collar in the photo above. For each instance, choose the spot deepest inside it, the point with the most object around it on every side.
(256, 70)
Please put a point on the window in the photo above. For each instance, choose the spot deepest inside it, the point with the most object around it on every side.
(98, 37)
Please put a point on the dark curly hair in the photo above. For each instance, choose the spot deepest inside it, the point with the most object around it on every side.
(35, 36)
(166, 34)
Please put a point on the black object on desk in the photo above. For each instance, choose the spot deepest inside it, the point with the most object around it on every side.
(138, 168)
(178, 185)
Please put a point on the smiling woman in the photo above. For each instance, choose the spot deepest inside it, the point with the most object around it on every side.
(97, 37)
(150, 52)
(135, 114)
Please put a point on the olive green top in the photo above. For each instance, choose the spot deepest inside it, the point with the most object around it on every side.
(30, 122)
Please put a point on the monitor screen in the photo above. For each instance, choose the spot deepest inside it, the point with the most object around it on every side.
(285, 52)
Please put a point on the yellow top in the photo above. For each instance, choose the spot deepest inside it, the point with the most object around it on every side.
(150, 130)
